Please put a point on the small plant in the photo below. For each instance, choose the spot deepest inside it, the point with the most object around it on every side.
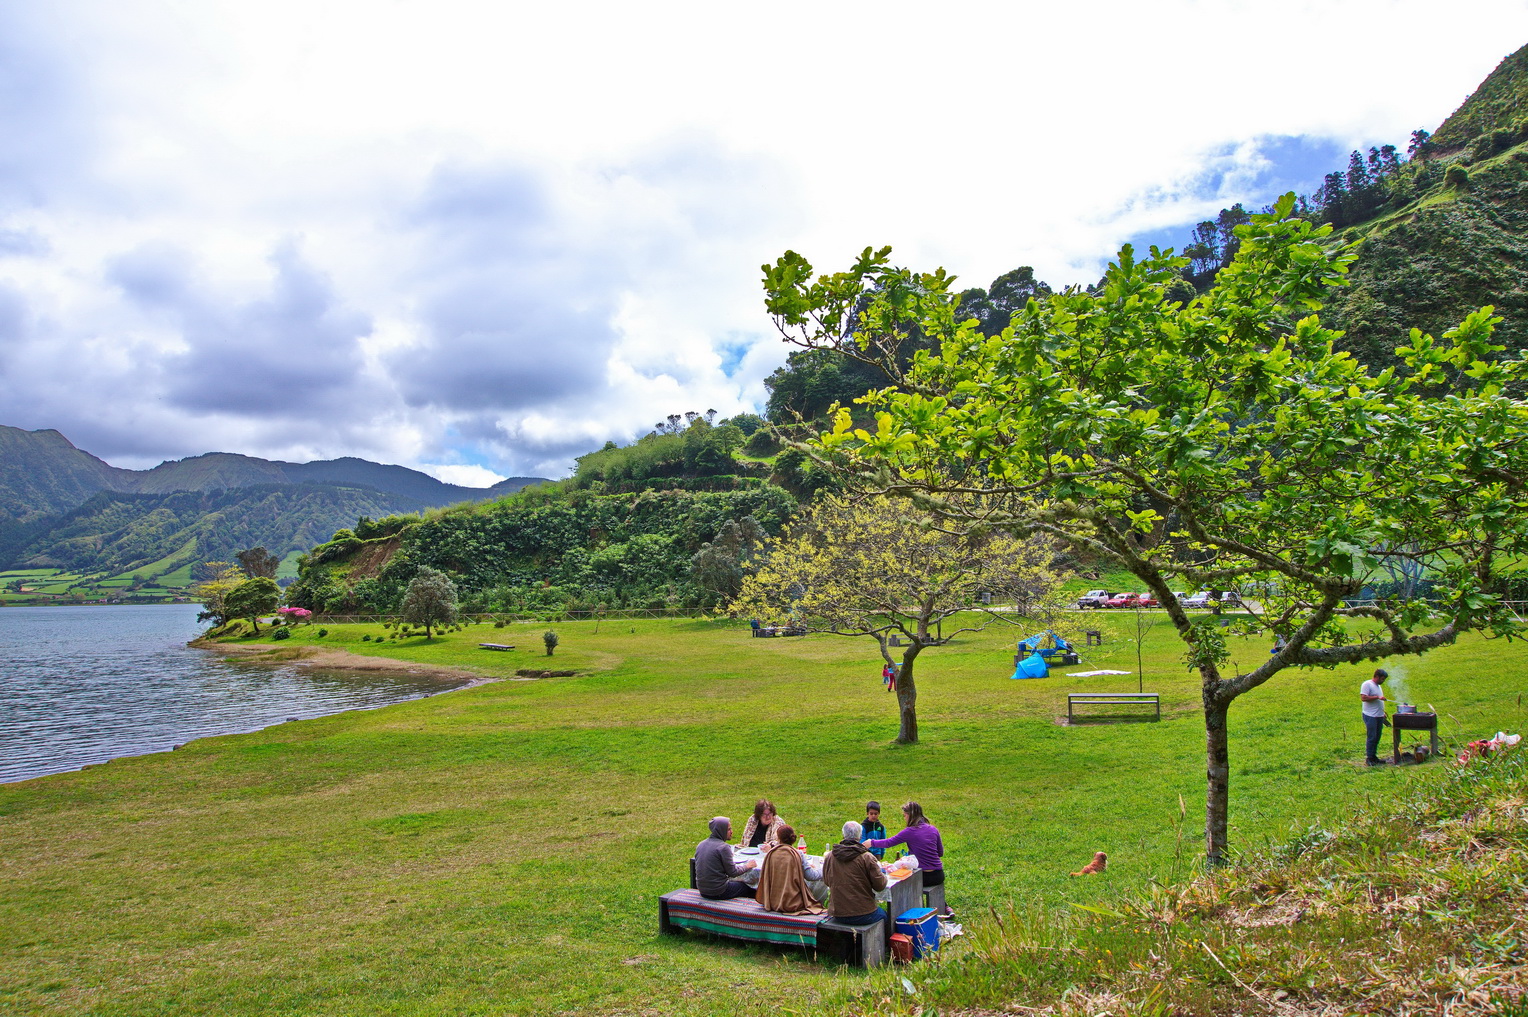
(550, 639)
(366, 638)
(499, 623)
(282, 633)
(322, 633)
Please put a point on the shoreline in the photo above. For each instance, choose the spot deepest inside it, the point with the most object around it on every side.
(334, 659)
(305, 657)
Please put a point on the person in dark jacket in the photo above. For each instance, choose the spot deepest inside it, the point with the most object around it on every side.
(853, 877)
(873, 827)
(714, 867)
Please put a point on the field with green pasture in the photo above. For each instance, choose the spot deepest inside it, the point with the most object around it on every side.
(44, 586)
(499, 850)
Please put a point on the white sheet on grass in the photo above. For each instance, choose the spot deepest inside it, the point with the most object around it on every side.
(1091, 674)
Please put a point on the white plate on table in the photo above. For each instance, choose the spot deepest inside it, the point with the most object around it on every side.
(747, 851)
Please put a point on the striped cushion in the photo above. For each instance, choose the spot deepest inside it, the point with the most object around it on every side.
(741, 918)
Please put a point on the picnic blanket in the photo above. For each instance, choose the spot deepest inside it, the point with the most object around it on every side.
(741, 917)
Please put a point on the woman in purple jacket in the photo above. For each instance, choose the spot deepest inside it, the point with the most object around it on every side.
(922, 839)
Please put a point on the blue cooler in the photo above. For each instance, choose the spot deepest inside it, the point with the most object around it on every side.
(921, 925)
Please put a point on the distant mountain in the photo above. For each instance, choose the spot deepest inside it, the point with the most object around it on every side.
(161, 534)
(44, 478)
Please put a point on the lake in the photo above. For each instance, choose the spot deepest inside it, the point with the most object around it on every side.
(81, 685)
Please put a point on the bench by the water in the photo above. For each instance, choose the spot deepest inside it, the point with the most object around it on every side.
(1075, 699)
(496, 646)
(743, 918)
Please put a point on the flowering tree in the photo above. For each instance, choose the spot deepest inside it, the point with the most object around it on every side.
(875, 567)
(1212, 443)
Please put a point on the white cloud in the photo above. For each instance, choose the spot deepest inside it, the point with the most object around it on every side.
(471, 237)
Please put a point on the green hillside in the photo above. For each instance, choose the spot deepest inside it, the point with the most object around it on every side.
(163, 533)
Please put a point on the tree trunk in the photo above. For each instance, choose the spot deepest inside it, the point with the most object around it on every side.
(1218, 789)
(907, 698)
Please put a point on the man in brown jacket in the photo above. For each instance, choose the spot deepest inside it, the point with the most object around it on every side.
(853, 877)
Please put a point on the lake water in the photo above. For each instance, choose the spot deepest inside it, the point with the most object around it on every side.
(81, 685)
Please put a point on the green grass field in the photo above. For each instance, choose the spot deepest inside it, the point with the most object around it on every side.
(499, 850)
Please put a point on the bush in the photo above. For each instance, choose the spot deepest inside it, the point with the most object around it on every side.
(550, 639)
(1457, 176)
(498, 623)
(366, 638)
(322, 633)
(282, 634)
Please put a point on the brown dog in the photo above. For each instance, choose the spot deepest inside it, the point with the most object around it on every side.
(1098, 864)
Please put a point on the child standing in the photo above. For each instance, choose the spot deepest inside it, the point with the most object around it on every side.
(873, 827)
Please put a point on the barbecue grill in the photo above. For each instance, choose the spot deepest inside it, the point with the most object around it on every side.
(1413, 722)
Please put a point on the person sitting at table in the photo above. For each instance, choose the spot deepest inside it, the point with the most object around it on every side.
(922, 838)
(762, 825)
(783, 877)
(714, 867)
(853, 877)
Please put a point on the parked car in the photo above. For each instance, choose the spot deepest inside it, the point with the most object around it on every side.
(1203, 598)
(1146, 600)
(1123, 600)
(1093, 598)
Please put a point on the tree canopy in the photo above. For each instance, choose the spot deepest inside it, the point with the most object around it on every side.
(430, 600)
(878, 567)
(1217, 443)
(252, 598)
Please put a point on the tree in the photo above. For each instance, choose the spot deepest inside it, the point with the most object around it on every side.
(718, 566)
(257, 562)
(213, 591)
(549, 637)
(875, 567)
(252, 598)
(1213, 444)
(430, 600)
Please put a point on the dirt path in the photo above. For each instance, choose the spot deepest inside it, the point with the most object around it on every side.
(341, 660)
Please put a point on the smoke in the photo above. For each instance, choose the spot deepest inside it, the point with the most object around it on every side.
(1396, 688)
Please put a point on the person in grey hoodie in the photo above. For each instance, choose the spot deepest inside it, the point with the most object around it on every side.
(853, 877)
(714, 867)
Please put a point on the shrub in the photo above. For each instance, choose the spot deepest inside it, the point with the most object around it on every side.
(322, 633)
(1457, 176)
(550, 639)
(366, 638)
(498, 623)
(282, 634)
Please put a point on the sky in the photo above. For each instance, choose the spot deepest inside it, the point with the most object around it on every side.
(481, 239)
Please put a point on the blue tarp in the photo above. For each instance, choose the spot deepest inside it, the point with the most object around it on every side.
(1032, 666)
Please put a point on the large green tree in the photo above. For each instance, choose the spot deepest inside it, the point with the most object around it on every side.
(252, 598)
(1216, 443)
(430, 600)
(877, 567)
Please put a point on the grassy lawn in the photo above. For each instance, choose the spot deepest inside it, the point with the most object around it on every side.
(499, 850)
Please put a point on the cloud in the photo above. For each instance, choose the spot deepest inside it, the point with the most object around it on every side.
(305, 231)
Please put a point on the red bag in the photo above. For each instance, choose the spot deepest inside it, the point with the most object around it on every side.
(901, 948)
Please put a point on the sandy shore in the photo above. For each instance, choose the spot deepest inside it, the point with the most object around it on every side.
(341, 660)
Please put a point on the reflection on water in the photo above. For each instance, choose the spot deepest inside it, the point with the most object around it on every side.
(82, 685)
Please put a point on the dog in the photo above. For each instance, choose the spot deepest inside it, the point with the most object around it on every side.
(1098, 864)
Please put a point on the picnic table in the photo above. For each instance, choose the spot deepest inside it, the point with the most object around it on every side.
(903, 892)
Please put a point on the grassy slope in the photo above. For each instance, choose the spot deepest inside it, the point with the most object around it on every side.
(498, 850)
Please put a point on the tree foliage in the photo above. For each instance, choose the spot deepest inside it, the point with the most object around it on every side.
(252, 598)
(257, 562)
(1215, 444)
(430, 600)
(213, 591)
(875, 567)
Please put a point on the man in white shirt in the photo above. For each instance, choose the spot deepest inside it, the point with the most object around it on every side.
(1373, 698)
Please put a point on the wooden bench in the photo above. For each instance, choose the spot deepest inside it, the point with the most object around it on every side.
(1074, 699)
(743, 918)
(496, 646)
